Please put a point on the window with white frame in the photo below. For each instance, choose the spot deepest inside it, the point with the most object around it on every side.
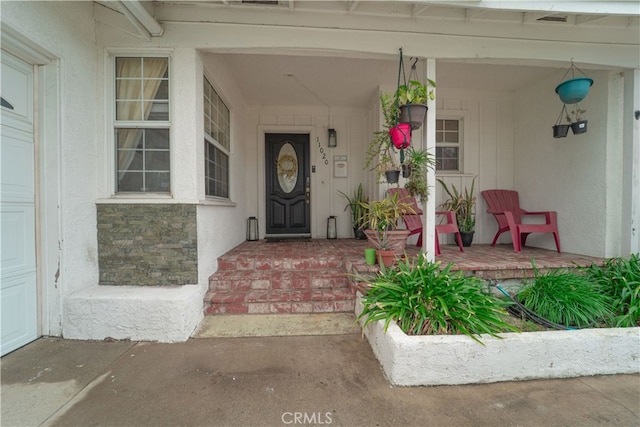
(217, 143)
(142, 124)
(448, 144)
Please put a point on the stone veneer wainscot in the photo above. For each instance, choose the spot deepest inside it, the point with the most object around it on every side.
(147, 244)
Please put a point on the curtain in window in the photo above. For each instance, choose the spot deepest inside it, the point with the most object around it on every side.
(141, 90)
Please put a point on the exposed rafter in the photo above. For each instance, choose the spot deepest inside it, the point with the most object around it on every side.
(144, 22)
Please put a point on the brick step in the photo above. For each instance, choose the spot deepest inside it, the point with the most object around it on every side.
(264, 262)
(277, 280)
(280, 301)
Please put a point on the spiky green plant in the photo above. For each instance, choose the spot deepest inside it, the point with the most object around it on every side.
(426, 299)
(619, 278)
(565, 297)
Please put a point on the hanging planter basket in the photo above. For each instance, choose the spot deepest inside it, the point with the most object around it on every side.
(579, 127)
(575, 89)
(561, 130)
(401, 135)
(392, 176)
(413, 114)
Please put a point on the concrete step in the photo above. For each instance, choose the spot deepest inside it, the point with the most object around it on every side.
(235, 280)
(324, 300)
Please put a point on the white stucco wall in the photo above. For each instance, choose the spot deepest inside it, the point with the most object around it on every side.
(222, 226)
(572, 175)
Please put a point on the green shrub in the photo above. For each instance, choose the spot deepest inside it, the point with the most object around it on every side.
(425, 299)
(566, 298)
(620, 279)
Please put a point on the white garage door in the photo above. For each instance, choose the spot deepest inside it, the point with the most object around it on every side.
(18, 294)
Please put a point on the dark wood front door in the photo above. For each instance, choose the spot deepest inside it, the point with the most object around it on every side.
(288, 184)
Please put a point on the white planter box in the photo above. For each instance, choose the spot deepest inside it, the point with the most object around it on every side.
(457, 359)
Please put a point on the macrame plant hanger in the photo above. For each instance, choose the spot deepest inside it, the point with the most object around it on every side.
(404, 131)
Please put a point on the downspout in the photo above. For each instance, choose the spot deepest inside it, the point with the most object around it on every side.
(140, 17)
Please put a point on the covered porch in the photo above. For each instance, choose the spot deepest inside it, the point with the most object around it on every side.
(318, 275)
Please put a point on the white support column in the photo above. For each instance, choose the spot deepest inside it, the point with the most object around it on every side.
(429, 142)
(631, 166)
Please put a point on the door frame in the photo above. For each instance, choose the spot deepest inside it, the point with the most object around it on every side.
(261, 161)
(47, 101)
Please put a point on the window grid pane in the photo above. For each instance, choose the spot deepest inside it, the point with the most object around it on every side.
(216, 127)
(139, 167)
(216, 171)
(142, 95)
(448, 142)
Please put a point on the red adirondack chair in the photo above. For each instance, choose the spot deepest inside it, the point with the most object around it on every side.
(505, 207)
(414, 222)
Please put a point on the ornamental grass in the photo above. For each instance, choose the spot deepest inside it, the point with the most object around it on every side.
(425, 299)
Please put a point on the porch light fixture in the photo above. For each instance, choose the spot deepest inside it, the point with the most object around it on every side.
(333, 138)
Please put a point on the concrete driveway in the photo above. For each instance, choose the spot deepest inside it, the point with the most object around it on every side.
(278, 381)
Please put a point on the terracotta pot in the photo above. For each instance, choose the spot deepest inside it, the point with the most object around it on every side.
(397, 240)
(386, 258)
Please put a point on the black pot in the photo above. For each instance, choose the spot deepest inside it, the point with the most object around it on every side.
(406, 171)
(560, 131)
(579, 127)
(467, 238)
(392, 176)
(417, 112)
(359, 234)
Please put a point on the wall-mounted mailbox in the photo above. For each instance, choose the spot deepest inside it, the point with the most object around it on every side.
(340, 167)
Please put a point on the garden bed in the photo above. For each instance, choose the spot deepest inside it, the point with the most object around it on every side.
(458, 359)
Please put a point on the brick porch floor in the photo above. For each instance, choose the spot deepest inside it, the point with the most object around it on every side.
(315, 275)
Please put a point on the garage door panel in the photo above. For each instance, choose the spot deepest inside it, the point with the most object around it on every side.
(17, 166)
(16, 298)
(18, 235)
(17, 89)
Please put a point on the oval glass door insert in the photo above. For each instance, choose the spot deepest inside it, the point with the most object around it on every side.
(287, 168)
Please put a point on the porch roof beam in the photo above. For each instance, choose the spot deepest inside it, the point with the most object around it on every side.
(624, 8)
(141, 18)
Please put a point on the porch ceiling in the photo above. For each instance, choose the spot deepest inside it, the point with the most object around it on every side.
(351, 82)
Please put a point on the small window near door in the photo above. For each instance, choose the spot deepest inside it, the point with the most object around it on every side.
(448, 145)
(217, 143)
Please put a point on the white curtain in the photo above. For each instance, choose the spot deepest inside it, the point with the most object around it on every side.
(141, 100)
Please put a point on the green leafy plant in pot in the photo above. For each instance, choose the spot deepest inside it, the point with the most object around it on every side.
(578, 124)
(382, 217)
(355, 204)
(417, 162)
(463, 204)
(380, 155)
(412, 98)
